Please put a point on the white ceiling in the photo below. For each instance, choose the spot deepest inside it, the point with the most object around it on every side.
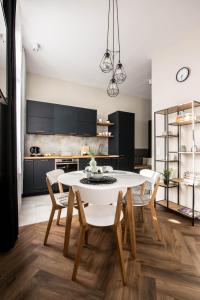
(72, 35)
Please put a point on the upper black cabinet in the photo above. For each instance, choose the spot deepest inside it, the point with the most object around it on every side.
(40, 117)
(40, 109)
(47, 118)
(87, 119)
(65, 119)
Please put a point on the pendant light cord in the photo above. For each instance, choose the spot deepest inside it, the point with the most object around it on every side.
(108, 30)
(118, 28)
(113, 37)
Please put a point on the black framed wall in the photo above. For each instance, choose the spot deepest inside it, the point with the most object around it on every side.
(8, 184)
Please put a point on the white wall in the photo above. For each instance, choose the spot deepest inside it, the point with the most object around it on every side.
(166, 91)
(3, 80)
(58, 91)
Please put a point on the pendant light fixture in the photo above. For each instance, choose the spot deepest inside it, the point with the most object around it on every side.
(108, 61)
(106, 64)
(112, 89)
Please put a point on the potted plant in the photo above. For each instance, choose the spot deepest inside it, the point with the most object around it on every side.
(166, 175)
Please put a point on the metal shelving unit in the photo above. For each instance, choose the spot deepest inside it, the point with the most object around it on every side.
(176, 182)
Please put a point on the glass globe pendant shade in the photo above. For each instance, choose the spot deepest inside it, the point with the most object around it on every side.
(112, 89)
(120, 75)
(106, 64)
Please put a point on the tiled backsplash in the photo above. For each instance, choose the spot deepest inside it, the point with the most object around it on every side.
(63, 144)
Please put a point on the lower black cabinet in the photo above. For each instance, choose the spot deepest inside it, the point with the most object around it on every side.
(83, 163)
(41, 167)
(28, 184)
(35, 175)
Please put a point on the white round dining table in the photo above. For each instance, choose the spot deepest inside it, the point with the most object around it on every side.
(124, 178)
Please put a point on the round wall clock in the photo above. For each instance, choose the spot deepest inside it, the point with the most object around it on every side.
(182, 74)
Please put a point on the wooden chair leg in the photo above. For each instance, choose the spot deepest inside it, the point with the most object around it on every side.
(86, 237)
(78, 254)
(142, 213)
(118, 234)
(68, 221)
(131, 218)
(49, 225)
(155, 222)
(125, 226)
(58, 217)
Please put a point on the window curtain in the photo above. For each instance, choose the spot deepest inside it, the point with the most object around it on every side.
(20, 102)
(8, 199)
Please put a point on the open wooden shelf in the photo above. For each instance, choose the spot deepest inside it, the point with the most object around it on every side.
(181, 181)
(164, 160)
(170, 185)
(175, 207)
(189, 152)
(184, 152)
(104, 124)
(104, 136)
(184, 123)
(177, 116)
(178, 108)
(166, 136)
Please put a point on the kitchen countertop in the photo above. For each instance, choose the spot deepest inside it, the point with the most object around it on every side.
(67, 156)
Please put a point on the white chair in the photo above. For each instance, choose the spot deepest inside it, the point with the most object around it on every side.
(59, 200)
(107, 169)
(147, 195)
(100, 213)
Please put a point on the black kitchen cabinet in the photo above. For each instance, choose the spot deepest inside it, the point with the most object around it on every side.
(83, 163)
(35, 175)
(41, 167)
(37, 125)
(40, 117)
(40, 109)
(106, 161)
(65, 120)
(28, 184)
(123, 142)
(47, 118)
(87, 119)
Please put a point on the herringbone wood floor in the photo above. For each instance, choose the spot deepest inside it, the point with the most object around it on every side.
(168, 270)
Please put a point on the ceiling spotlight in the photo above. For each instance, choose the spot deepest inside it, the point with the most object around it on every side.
(36, 47)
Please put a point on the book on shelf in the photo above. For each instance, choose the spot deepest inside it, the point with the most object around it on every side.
(188, 212)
